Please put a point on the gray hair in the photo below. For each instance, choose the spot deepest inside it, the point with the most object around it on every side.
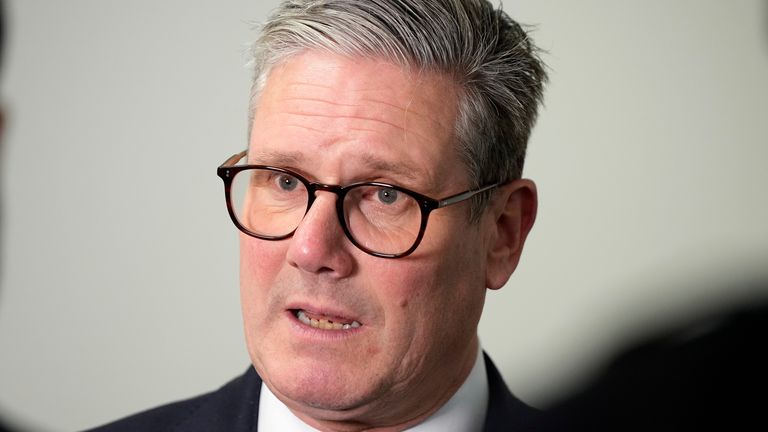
(490, 57)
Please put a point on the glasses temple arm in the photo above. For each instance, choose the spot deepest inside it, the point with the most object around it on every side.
(453, 199)
(233, 159)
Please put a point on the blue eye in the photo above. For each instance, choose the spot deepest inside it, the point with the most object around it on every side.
(387, 196)
(287, 182)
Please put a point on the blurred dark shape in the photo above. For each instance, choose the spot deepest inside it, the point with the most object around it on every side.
(710, 372)
(3, 426)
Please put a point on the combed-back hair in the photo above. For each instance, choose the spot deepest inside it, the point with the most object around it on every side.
(491, 58)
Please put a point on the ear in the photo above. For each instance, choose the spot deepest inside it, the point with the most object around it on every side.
(513, 211)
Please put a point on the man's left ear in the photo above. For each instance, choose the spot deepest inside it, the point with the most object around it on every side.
(513, 209)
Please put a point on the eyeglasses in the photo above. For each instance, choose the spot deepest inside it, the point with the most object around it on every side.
(381, 219)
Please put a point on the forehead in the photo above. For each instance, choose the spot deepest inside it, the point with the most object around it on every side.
(324, 108)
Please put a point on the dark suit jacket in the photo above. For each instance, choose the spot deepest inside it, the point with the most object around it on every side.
(235, 408)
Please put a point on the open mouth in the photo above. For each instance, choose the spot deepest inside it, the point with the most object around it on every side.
(324, 322)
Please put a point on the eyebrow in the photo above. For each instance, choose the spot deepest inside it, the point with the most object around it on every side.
(275, 158)
(400, 169)
(371, 161)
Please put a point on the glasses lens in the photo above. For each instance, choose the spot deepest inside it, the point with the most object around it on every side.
(382, 219)
(268, 202)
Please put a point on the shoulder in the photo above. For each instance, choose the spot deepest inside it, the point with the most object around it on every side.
(505, 411)
(233, 407)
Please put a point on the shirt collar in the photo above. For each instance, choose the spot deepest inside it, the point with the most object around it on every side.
(464, 411)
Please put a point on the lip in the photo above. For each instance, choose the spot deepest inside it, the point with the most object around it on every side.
(312, 334)
(339, 314)
(318, 334)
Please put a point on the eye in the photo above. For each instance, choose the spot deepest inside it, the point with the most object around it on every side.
(287, 182)
(387, 195)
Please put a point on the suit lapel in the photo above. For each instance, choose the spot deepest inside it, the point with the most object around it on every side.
(505, 411)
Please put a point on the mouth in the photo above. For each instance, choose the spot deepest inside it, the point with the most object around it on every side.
(324, 322)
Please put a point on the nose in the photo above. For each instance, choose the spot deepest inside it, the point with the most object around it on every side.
(319, 245)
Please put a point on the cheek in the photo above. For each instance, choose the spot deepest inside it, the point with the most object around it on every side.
(413, 295)
(432, 313)
(440, 292)
(260, 262)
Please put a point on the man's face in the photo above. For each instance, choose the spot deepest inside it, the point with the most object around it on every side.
(338, 120)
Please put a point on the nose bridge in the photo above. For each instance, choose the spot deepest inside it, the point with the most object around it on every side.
(337, 190)
(317, 242)
(316, 187)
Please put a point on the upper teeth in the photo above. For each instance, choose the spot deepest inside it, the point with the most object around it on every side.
(325, 324)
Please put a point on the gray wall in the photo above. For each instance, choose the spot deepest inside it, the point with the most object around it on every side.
(119, 280)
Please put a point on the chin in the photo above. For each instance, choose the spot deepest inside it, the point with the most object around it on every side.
(322, 387)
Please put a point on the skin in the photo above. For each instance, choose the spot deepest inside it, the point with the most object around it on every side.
(340, 120)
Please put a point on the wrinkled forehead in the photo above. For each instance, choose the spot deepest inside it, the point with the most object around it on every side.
(336, 104)
(344, 75)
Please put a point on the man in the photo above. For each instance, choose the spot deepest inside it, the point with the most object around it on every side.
(378, 199)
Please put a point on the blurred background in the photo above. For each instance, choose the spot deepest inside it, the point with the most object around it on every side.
(119, 282)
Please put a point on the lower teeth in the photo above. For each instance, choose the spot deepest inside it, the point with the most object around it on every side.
(325, 324)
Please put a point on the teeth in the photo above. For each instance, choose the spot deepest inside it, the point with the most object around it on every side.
(303, 317)
(325, 324)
